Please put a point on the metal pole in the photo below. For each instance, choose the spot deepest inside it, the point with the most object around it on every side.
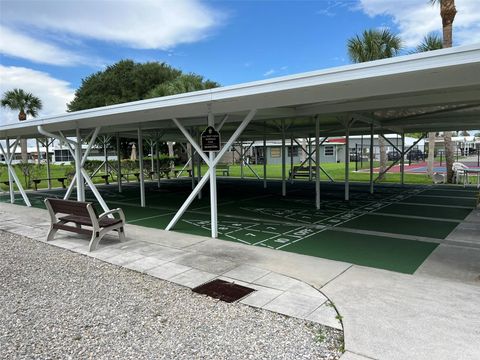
(187, 202)
(10, 179)
(241, 159)
(356, 157)
(402, 161)
(264, 160)
(105, 154)
(361, 152)
(78, 168)
(309, 159)
(119, 165)
(199, 170)
(11, 172)
(140, 166)
(291, 158)
(193, 168)
(284, 183)
(347, 163)
(317, 162)
(205, 178)
(49, 180)
(213, 186)
(157, 155)
(371, 158)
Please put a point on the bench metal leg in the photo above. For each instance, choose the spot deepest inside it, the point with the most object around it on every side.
(121, 234)
(51, 233)
(96, 237)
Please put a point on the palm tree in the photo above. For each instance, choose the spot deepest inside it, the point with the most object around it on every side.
(26, 104)
(447, 13)
(375, 45)
(430, 42)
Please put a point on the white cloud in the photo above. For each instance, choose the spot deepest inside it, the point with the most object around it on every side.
(332, 6)
(417, 18)
(146, 24)
(269, 72)
(22, 46)
(54, 93)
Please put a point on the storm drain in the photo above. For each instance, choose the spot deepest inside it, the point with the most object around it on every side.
(223, 290)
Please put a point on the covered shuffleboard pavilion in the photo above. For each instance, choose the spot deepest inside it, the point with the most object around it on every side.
(393, 227)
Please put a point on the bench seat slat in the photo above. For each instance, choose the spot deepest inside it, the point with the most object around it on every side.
(81, 220)
(72, 229)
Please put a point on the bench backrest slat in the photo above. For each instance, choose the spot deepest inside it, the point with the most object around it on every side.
(70, 207)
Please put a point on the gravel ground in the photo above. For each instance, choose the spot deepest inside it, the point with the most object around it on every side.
(57, 304)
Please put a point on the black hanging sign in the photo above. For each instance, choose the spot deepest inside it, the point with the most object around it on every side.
(210, 139)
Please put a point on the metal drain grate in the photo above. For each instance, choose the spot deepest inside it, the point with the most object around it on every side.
(223, 290)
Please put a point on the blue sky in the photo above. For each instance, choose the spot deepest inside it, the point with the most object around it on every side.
(48, 46)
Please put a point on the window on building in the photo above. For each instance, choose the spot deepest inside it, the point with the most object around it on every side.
(294, 152)
(275, 152)
(328, 150)
(63, 156)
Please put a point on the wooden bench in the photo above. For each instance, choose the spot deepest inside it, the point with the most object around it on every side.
(301, 171)
(103, 177)
(38, 181)
(224, 169)
(177, 171)
(75, 214)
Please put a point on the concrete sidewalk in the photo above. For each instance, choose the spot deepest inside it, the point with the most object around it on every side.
(385, 315)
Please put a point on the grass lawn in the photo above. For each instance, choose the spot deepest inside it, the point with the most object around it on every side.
(336, 171)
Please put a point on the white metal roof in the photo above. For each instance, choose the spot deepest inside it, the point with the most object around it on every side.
(437, 90)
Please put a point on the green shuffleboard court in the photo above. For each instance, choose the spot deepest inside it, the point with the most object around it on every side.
(396, 228)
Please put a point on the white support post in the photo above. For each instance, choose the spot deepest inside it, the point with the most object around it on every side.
(78, 168)
(212, 163)
(291, 158)
(187, 202)
(75, 148)
(152, 165)
(199, 170)
(119, 165)
(317, 162)
(242, 160)
(284, 183)
(264, 160)
(213, 186)
(371, 158)
(310, 153)
(157, 155)
(95, 191)
(10, 179)
(140, 166)
(193, 168)
(347, 162)
(49, 175)
(402, 161)
(12, 176)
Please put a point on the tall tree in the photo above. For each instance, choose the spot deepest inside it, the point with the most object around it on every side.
(121, 82)
(374, 45)
(447, 13)
(127, 81)
(182, 84)
(430, 42)
(26, 104)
